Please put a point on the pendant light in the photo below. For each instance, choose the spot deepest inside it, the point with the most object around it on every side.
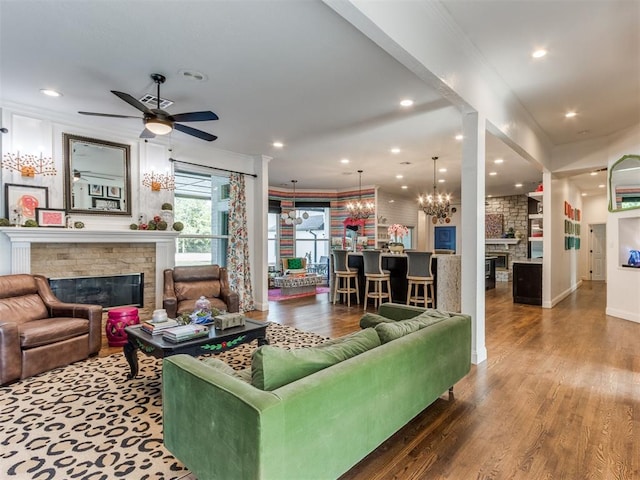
(290, 218)
(360, 210)
(437, 204)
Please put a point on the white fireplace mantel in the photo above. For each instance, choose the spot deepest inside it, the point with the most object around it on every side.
(15, 245)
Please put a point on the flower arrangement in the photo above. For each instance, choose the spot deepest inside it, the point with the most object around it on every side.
(397, 231)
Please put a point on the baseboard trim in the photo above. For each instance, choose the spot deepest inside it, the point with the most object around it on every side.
(624, 315)
(564, 294)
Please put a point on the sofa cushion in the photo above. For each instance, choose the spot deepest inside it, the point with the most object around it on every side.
(273, 367)
(195, 290)
(51, 330)
(389, 331)
(372, 319)
(219, 365)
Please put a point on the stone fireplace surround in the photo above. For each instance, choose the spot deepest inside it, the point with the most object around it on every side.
(51, 251)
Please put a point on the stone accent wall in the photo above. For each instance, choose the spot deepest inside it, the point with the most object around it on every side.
(514, 210)
(60, 260)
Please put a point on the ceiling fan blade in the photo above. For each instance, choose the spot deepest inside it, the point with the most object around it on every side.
(107, 115)
(146, 133)
(132, 101)
(195, 132)
(193, 117)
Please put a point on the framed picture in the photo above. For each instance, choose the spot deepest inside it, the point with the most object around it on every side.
(50, 217)
(105, 204)
(113, 192)
(22, 200)
(95, 190)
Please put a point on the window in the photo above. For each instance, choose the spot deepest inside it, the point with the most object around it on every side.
(273, 224)
(202, 205)
(312, 238)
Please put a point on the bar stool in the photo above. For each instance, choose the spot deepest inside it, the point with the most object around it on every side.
(373, 272)
(344, 274)
(419, 273)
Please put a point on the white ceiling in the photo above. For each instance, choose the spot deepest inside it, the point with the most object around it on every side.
(296, 71)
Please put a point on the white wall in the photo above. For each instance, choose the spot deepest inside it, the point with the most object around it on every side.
(623, 284)
(564, 265)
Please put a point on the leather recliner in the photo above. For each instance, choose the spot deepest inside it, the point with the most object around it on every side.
(38, 332)
(184, 285)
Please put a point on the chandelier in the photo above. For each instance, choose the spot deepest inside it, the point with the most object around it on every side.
(437, 204)
(290, 218)
(359, 210)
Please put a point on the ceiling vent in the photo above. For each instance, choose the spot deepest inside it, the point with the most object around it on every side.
(152, 101)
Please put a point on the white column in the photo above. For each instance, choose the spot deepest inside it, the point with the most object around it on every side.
(473, 187)
(20, 257)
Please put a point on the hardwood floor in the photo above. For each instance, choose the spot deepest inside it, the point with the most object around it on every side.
(558, 397)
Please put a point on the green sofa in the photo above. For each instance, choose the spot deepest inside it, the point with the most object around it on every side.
(321, 425)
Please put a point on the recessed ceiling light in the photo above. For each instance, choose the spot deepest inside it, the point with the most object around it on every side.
(583, 194)
(493, 174)
(593, 174)
(442, 180)
(404, 187)
(395, 150)
(518, 185)
(344, 160)
(442, 170)
(498, 160)
(391, 201)
(489, 196)
(278, 144)
(570, 114)
(399, 176)
(50, 93)
(541, 52)
(406, 102)
(601, 185)
(459, 136)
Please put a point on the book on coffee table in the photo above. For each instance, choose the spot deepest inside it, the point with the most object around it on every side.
(156, 328)
(184, 333)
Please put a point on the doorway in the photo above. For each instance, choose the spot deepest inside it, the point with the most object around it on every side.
(444, 238)
(597, 252)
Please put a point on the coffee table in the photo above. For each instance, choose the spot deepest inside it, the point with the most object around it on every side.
(218, 341)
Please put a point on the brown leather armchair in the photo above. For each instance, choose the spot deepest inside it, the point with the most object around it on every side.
(184, 285)
(38, 332)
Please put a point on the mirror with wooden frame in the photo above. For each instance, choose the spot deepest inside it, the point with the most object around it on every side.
(97, 176)
(624, 184)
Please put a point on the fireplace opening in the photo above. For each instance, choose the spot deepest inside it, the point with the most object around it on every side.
(502, 259)
(108, 290)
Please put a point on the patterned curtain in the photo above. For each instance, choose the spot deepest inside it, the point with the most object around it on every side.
(238, 252)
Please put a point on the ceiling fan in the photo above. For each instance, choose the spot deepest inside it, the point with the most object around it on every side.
(159, 122)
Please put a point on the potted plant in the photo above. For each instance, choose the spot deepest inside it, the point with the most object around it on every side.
(396, 232)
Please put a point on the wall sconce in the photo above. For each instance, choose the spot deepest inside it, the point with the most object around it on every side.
(29, 165)
(159, 181)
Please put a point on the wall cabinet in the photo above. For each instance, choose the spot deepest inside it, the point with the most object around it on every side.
(534, 225)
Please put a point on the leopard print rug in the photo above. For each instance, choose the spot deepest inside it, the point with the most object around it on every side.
(86, 421)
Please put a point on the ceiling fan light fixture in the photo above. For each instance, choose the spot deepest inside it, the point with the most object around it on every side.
(158, 126)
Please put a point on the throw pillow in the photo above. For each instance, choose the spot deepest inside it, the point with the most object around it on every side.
(390, 331)
(273, 367)
(294, 263)
(370, 320)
